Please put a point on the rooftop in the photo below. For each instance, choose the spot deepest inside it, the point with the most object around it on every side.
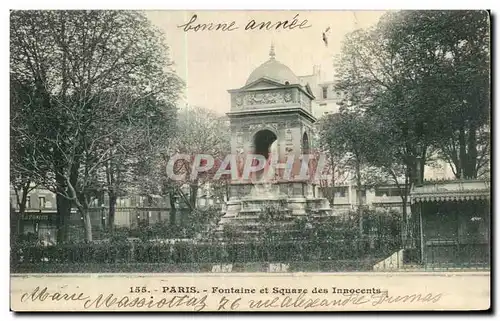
(274, 70)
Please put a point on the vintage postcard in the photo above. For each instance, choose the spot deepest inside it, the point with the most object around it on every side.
(250, 160)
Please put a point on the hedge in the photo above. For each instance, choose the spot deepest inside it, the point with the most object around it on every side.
(189, 252)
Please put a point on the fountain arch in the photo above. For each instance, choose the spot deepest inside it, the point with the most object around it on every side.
(305, 143)
(262, 141)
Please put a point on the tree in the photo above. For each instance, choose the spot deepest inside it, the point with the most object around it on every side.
(377, 84)
(197, 131)
(144, 129)
(331, 144)
(80, 71)
(200, 131)
(151, 177)
(448, 57)
(347, 137)
(408, 76)
(22, 178)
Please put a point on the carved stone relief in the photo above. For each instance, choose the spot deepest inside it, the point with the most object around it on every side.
(239, 100)
(239, 138)
(262, 98)
(263, 125)
(253, 127)
(305, 102)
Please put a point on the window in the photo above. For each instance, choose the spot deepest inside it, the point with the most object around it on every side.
(473, 223)
(395, 192)
(120, 202)
(41, 202)
(28, 202)
(94, 203)
(387, 192)
(325, 92)
(288, 135)
(340, 191)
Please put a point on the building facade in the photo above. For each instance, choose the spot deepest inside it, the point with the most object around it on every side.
(40, 218)
(383, 197)
(327, 98)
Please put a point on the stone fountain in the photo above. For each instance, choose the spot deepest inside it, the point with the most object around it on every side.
(271, 116)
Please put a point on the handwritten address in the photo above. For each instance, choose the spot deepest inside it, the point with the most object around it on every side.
(206, 301)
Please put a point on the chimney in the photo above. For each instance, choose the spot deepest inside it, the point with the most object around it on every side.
(316, 70)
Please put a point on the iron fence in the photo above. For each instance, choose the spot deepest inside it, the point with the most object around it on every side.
(127, 216)
(367, 254)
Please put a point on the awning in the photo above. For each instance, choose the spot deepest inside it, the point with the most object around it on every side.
(449, 197)
(451, 191)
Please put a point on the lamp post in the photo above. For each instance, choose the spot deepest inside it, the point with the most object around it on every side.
(417, 208)
(103, 217)
(418, 166)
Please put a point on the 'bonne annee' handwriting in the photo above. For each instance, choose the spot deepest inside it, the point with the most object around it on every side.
(193, 25)
(200, 302)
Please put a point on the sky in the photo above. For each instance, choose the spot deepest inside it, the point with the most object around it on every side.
(212, 62)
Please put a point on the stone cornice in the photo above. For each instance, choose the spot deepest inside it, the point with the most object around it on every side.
(271, 111)
(274, 84)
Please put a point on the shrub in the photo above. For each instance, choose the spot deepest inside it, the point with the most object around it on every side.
(330, 239)
(189, 252)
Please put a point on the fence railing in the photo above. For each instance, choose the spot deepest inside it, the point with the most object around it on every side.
(206, 252)
(368, 254)
(126, 216)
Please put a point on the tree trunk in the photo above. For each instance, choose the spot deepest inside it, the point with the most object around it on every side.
(173, 209)
(470, 168)
(404, 220)
(404, 198)
(422, 166)
(87, 223)
(63, 214)
(332, 166)
(358, 196)
(24, 198)
(112, 211)
(16, 217)
(327, 191)
(83, 210)
(462, 153)
(14, 225)
(193, 195)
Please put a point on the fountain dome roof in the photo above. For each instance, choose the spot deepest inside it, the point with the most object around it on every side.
(274, 70)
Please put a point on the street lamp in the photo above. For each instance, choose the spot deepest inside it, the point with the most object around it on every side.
(418, 166)
(103, 217)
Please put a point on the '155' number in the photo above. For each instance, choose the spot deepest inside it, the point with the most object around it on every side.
(138, 289)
